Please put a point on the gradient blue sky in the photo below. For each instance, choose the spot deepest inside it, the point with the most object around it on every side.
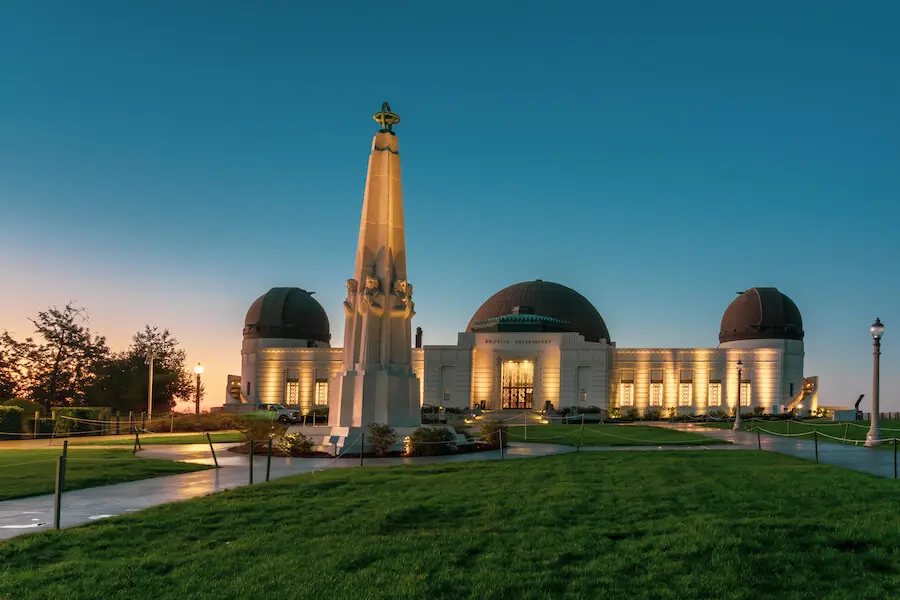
(168, 162)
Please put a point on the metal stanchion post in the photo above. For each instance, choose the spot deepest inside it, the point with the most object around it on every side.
(213, 450)
(60, 485)
(251, 462)
(816, 441)
(172, 423)
(526, 426)
(895, 458)
(269, 460)
(37, 423)
(362, 446)
(500, 433)
(758, 439)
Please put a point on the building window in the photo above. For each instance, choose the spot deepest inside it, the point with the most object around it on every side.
(656, 394)
(292, 393)
(626, 394)
(627, 376)
(656, 375)
(685, 394)
(745, 393)
(322, 392)
(517, 380)
(791, 393)
(248, 389)
(446, 395)
(687, 376)
(582, 396)
(715, 394)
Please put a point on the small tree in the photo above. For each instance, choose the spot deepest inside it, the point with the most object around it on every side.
(382, 438)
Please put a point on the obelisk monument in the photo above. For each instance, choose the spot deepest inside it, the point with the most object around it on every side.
(377, 384)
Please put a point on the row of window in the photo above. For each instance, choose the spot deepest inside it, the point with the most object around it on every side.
(292, 392)
(658, 375)
(685, 394)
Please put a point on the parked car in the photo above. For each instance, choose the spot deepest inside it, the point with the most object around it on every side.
(281, 414)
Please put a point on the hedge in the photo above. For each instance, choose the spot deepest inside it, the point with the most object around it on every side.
(11, 419)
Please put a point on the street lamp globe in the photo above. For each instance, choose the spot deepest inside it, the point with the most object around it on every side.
(877, 329)
(198, 369)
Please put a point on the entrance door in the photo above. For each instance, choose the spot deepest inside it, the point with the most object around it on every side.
(517, 382)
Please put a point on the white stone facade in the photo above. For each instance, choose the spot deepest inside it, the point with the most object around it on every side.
(567, 372)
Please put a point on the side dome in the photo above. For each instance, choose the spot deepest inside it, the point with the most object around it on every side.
(761, 314)
(287, 313)
(554, 307)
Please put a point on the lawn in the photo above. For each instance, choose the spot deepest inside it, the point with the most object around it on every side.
(150, 440)
(84, 469)
(638, 525)
(608, 435)
(853, 431)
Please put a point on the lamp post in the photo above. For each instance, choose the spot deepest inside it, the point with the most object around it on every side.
(151, 356)
(737, 407)
(199, 371)
(877, 331)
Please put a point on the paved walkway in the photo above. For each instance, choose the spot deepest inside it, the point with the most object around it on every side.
(857, 458)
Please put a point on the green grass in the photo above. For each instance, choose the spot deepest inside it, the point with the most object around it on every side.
(84, 469)
(608, 435)
(197, 438)
(854, 430)
(638, 525)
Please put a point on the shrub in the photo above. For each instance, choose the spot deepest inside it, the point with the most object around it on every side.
(295, 443)
(615, 413)
(11, 419)
(631, 413)
(203, 422)
(431, 441)
(81, 418)
(491, 433)
(260, 430)
(26, 405)
(653, 414)
(717, 414)
(591, 410)
(382, 438)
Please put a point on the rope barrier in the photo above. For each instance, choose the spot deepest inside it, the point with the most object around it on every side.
(815, 432)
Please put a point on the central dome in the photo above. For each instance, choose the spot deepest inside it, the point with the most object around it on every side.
(545, 299)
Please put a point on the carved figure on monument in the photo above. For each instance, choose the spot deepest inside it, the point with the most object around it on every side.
(402, 305)
(352, 287)
(370, 296)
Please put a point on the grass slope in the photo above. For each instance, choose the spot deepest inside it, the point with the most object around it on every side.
(84, 469)
(150, 440)
(609, 435)
(642, 525)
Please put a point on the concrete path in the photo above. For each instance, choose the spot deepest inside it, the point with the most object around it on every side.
(27, 515)
(857, 458)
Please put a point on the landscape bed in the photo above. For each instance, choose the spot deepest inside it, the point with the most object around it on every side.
(33, 472)
(681, 525)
